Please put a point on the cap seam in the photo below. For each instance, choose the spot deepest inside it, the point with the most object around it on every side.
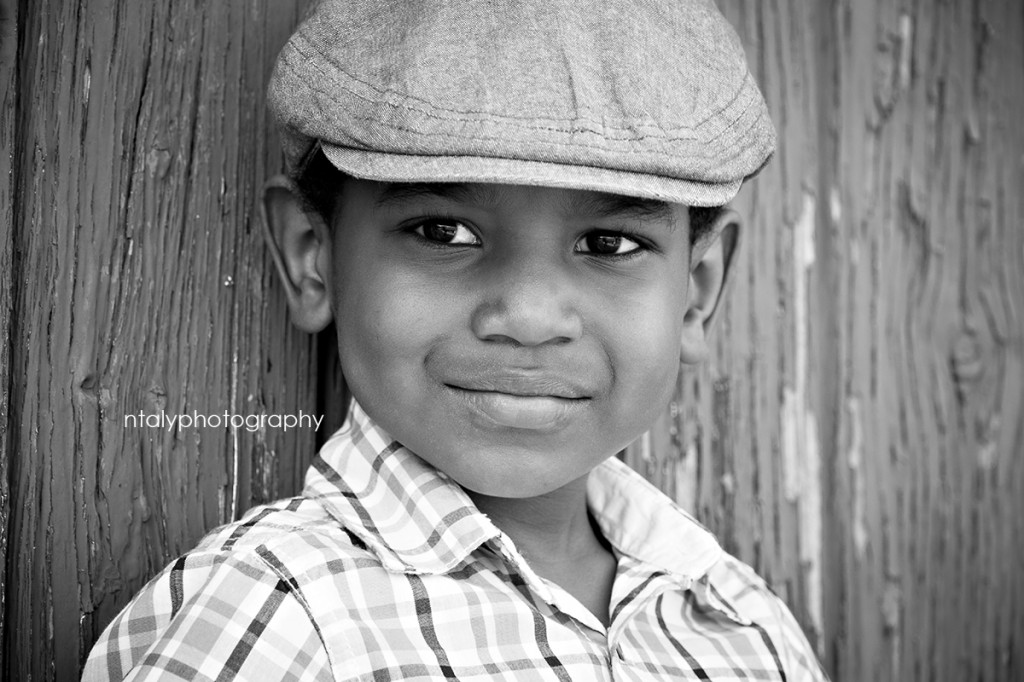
(674, 180)
(759, 115)
(556, 143)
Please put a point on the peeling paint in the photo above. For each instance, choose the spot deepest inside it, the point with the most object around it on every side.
(854, 460)
(988, 452)
(804, 235)
(810, 527)
(801, 458)
(686, 479)
(791, 465)
(795, 408)
(835, 205)
(892, 607)
(906, 50)
(645, 446)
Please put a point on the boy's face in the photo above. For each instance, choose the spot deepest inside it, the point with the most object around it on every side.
(514, 337)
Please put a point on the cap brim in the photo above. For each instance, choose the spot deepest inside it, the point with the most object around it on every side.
(385, 167)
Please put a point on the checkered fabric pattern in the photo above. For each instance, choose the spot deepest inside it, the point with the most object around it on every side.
(384, 570)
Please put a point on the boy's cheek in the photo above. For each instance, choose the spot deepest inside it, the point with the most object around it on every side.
(647, 333)
(653, 374)
(651, 358)
(383, 335)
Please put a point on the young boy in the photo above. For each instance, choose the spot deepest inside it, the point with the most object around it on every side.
(509, 210)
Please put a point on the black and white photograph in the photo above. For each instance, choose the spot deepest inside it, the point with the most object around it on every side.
(568, 340)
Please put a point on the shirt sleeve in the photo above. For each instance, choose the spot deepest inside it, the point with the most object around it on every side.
(802, 664)
(750, 597)
(212, 616)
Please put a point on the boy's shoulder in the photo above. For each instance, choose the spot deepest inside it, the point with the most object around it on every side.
(736, 588)
(738, 583)
(296, 540)
(263, 574)
(297, 525)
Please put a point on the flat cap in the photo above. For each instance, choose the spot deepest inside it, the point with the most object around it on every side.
(636, 97)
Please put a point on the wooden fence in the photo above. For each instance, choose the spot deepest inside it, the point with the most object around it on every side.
(857, 436)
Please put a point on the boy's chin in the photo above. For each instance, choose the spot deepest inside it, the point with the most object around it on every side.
(515, 490)
(510, 474)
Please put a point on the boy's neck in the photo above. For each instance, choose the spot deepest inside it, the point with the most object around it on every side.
(550, 526)
(555, 535)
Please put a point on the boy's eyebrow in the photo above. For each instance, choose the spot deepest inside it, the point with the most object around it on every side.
(603, 205)
(455, 191)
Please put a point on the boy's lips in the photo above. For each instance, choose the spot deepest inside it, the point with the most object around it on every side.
(526, 384)
(533, 402)
(543, 413)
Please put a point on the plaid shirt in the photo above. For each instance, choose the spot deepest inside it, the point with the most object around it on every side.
(384, 569)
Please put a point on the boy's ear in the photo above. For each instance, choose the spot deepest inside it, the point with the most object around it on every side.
(711, 260)
(299, 243)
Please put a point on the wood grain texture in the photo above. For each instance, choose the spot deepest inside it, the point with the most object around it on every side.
(926, 282)
(142, 286)
(8, 213)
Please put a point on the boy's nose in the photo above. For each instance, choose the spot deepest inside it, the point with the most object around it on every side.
(530, 307)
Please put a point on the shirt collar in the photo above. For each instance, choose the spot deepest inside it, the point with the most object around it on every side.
(412, 516)
(641, 521)
(417, 520)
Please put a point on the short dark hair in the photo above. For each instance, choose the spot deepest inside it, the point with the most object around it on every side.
(320, 180)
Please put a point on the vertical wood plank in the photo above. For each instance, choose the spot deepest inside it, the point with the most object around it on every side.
(143, 144)
(8, 215)
(928, 252)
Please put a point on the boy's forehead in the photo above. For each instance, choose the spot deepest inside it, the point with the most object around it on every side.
(573, 202)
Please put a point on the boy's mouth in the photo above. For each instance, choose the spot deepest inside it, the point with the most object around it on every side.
(522, 385)
(533, 402)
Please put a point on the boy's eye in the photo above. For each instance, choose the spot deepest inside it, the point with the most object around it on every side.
(607, 244)
(446, 232)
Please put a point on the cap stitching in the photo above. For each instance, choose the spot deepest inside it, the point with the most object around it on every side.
(555, 143)
(669, 188)
(712, 184)
(754, 120)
